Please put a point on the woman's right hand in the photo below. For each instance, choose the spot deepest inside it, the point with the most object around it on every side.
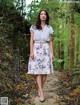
(32, 55)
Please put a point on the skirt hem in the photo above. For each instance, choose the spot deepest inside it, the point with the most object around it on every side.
(39, 73)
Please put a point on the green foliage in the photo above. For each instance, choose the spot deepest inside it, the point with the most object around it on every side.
(77, 19)
(14, 34)
(33, 10)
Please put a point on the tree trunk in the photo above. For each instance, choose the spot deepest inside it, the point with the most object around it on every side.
(62, 55)
(71, 41)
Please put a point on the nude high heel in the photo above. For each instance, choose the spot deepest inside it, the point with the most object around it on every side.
(41, 99)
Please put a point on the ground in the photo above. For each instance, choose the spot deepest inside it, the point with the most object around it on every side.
(51, 89)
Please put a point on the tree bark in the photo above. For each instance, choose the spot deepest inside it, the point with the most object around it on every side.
(71, 41)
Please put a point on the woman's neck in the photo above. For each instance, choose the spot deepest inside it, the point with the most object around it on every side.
(43, 23)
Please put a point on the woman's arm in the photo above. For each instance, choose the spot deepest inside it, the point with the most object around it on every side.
(31, 44)
(51, 46)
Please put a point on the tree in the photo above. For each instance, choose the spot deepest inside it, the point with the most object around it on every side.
(72, 38)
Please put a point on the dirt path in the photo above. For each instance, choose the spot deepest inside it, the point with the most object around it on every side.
(50, 91)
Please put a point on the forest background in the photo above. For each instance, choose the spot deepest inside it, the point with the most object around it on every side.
(15, 21)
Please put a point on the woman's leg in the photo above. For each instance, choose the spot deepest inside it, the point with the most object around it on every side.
(39, 83)
(43, 79)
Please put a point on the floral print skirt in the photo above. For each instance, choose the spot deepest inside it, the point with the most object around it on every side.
(42, 61)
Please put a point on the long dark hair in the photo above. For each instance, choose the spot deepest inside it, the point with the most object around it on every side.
(38, 22)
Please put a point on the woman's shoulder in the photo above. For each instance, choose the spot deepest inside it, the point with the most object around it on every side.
(50, 29)
(33, 26)
(49, 26)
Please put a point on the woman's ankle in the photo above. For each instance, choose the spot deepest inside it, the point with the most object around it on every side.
(41, 94)
(38, 92)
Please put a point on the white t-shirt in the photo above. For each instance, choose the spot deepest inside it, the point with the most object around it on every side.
(42, 35)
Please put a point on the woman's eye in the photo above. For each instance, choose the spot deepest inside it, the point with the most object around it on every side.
(43, 14)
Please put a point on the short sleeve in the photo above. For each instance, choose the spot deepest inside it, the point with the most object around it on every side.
(51, 30)
(32, 28)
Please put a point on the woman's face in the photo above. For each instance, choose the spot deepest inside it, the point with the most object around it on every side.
(43, 16)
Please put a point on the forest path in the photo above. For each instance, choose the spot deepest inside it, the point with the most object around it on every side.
(51, 88)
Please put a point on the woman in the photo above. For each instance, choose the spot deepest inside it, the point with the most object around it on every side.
(41, 51)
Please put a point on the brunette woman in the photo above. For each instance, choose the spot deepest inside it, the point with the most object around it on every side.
(41, 51)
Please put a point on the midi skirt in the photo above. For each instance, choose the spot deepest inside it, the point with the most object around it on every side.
(42, 61)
